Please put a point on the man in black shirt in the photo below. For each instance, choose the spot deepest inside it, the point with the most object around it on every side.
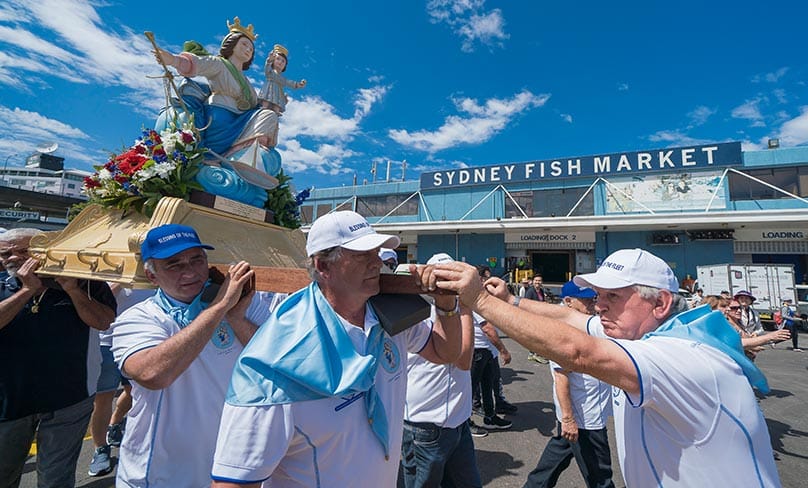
(536, 292)
(49, 364)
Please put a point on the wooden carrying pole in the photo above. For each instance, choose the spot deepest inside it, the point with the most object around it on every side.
(289, 280)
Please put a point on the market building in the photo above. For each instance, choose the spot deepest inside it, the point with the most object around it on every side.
(693, 205)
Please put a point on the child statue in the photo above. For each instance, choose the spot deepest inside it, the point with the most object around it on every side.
(272, 95)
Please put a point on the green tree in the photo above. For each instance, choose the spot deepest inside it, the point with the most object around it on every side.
(283, 204)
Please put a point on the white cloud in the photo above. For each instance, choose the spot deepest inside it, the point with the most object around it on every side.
(314, 117)
(676, 138)
(327, 158)
(622, 87)
(83, 49)
(23, 131)
(795, 131)
(699, 115)
(482, 123)
(747, 145)
(567, 118)
(469, 20)
(772, 77)
(366, 98)
(749, 110)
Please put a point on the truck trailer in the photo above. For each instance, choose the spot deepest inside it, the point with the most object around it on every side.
(769, 283)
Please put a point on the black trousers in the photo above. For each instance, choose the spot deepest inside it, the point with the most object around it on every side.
(482, 372)
(591, 452)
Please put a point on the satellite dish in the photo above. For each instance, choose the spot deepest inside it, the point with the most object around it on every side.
(47, 148)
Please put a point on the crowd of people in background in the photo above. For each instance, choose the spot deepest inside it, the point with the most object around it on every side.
(229, 386)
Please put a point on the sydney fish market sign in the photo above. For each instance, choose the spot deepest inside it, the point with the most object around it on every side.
(673, 160)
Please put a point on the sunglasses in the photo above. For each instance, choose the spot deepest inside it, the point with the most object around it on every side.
(734, 308)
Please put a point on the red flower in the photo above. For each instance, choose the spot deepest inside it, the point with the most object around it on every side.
(121, 179)
(187, 137)
(130, 162)
(90, 182)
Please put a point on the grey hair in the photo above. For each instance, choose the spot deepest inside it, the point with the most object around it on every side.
(19, 233)
(149, 266)
(329, 255)
(678, 305)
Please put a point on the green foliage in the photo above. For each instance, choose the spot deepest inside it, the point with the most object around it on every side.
(281, 201)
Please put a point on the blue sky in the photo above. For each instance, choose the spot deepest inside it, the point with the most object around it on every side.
(438, 83)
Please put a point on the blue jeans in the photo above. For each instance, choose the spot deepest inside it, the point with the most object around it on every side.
(433, 457)
(59, 435)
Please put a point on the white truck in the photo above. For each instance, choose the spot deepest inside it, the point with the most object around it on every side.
(769, 283)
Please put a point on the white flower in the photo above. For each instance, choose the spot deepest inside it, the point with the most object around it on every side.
(165, 169)
(104, 174)
(170, 140)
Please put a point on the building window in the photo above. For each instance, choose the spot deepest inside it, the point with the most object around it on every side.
(346, 205)
(379, 206)
(323, 209)
(525, 201)
(550, 203)
(306, 212)
(792, 180)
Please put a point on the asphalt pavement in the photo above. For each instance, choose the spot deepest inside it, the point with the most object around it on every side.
(506, 457)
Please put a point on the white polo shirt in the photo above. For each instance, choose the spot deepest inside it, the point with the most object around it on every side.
(438, 394)
(591, 399)
(695, 421)
(171, 433)
(325, 442)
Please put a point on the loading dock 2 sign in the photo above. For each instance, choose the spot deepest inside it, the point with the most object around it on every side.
(556, 237)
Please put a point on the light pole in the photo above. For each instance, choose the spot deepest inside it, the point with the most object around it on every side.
(5, 166)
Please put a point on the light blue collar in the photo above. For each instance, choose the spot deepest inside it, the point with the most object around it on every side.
(302, 353)
(182, 313)
(703, 325)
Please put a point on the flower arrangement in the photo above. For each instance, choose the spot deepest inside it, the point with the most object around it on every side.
(156, 166)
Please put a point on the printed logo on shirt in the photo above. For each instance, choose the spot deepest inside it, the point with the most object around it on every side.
(390, 356)
(223, 336)
(347, 400)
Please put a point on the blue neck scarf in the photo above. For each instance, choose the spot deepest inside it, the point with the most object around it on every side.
(182, 313)
(703, 325)
(304, 353)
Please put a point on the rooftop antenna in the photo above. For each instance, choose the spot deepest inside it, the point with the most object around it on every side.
(404, 170)
(47, 148)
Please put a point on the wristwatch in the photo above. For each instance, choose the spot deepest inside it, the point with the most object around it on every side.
(516, 301)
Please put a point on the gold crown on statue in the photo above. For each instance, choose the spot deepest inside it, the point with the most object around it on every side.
(237, 27)
(277, 48)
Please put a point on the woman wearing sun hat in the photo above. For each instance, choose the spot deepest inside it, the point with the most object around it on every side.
(750, 320)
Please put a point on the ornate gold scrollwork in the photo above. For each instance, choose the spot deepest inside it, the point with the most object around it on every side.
(60, 261)
(81, 255)
(118, 266)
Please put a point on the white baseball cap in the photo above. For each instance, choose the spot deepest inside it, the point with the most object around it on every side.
(346, 229)
(440, 258)
(385, 254)
(629, 267)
